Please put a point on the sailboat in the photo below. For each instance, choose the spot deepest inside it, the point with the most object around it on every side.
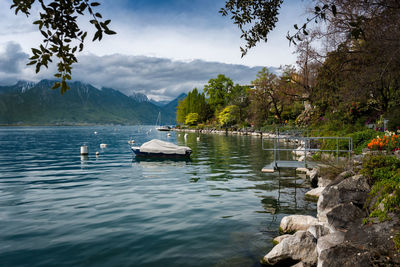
(159, 127)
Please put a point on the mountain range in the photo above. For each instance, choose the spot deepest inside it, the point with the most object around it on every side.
(28, 103)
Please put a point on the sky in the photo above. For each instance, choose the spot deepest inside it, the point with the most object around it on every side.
(162, 47)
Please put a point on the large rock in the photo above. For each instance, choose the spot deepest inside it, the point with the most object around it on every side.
(300, 247)
(354, 189)
(323, 181)
(344, 255)
(315, 193)
(313, 176)
(325, 243)
(343, 216)
(279, 239)
(318, 230)
(293, 223)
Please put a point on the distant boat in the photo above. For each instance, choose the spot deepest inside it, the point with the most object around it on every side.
(159, 127)
(161, 149)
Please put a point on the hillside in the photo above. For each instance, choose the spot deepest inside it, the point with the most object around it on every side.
(36, 104)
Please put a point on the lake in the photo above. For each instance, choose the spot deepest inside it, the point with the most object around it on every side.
(60, 209)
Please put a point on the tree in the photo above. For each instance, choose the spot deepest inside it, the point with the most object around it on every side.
(62, 35)
(266, 96)
(228, 116)
(192, 119)
(219, 91)
(195, 102)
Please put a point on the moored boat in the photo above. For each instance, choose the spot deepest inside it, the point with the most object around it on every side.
(161, 149)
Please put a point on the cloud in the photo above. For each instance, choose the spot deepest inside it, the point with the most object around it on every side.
(12, 58)
(158, 78)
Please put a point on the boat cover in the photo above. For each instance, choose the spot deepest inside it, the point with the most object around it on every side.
(158, 146)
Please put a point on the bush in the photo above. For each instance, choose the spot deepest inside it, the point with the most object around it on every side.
(379, 167)
(361, 139)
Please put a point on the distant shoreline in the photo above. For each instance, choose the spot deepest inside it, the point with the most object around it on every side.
(61, 125)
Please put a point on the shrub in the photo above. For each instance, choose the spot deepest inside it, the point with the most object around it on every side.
(361, 139)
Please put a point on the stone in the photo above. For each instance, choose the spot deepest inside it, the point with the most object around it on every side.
(318, 230)
(279, 239)
(293, 223)
(342, 216)
(300, 247)
(315, 193)
(323, 182)
(354, 189)
(342, 254)
(313, 176)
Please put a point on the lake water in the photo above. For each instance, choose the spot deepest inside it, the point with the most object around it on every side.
(60, 209)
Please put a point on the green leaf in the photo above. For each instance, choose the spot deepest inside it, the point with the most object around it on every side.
(56, 84)
(36, 51)
(32, 62)
(109, 32)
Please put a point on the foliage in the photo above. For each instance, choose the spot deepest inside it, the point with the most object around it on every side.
(361, 139)
(195, 102)
(264, 96)
(219, 91)
(259, 15)
(228, 116)
(63, 38)
(192, 119)
(388, 143)
(384, 197)
(374, 167)
(394, 118)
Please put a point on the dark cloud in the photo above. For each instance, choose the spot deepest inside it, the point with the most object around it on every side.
(158, 78)
(13, 59)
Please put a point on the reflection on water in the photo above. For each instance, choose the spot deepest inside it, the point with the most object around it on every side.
(216, 209)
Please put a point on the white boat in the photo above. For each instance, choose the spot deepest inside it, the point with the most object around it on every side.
(157, 148)
(159, 127)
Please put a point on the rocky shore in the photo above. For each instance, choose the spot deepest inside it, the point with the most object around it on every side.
(337, 236)
(222, 132)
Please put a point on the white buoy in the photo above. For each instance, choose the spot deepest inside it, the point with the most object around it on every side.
(97, 153)
(103, 145)
(84, 150)
(95, 132)
(198, 138)
(168, 134)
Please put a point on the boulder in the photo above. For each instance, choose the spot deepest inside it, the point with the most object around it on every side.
(344, 254)
(343, 216)
(313, 176)
(318, 230)
(279, 239)
(354, 189)
(326, 242)
(315, 193)
(300, 247)
(293, 223)
(323, 182)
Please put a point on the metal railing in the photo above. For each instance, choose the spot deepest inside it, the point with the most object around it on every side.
(308, 145)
